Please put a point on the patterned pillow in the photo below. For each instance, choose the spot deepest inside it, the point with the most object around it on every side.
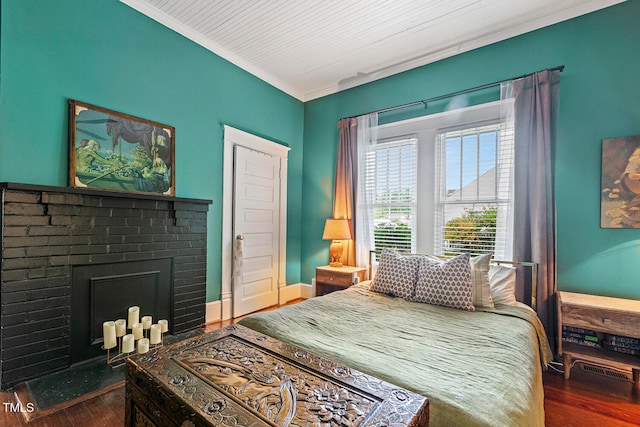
(396, 274)
(445, 283)
(481, 290)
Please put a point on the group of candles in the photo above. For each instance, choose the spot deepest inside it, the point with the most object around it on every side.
(114, 330)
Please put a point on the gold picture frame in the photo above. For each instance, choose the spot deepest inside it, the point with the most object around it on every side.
(109, 150)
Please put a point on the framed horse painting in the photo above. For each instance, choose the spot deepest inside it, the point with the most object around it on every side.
(118, 152)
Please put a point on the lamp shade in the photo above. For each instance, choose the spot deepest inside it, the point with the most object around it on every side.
(336, 229)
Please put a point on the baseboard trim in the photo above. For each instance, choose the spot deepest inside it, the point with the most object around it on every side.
(213, 312)
(295, 291)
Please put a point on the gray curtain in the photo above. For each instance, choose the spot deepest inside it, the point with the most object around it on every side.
(535, 116)
(345, 182)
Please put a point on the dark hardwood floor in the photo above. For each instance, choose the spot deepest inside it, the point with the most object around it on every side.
(589, 400)
(586, 400)
(105, 410)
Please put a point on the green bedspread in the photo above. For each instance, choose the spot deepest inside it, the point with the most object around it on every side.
(480, 368)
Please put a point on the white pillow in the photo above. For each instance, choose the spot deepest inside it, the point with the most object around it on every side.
(396, 274)
(481, 289)
(502, 281)
(445, 283)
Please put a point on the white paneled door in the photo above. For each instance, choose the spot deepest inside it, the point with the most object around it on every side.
(256, 230)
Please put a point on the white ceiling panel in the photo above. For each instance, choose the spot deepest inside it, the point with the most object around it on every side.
(311, 48)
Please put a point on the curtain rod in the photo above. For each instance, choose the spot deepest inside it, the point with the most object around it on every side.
(559, 68)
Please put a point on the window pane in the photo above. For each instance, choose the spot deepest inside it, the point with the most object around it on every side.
(469, 166)
(453, 167)
(488, 148)
(468, 189)
(471, 228)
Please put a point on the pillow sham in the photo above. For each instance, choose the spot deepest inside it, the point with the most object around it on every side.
(445, 283)
(502, 282)
(396, 274)
(481, 290)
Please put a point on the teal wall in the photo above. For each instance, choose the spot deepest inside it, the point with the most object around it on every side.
(107, 54)
(600, 98)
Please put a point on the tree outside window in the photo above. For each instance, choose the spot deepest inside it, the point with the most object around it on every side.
(473, 232)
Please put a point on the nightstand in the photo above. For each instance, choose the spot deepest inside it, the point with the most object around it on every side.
(329, 279)
(605, 320)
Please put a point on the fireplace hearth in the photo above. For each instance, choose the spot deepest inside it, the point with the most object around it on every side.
(71, 257)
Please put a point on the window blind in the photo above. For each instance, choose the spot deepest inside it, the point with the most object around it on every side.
(390, 182)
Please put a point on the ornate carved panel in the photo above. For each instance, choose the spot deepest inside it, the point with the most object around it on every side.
(238, 377)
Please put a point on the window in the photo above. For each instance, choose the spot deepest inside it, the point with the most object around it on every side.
(472, 188)
(441, 183)
(390, 182)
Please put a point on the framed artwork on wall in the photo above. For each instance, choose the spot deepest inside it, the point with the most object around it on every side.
(620, 193)
(113, 151)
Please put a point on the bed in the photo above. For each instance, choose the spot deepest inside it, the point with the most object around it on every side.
(477, 368)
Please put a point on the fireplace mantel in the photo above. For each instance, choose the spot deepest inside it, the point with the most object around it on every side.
(98, 193)
(47, 231)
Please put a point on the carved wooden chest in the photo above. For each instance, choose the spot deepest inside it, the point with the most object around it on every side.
(238, 377)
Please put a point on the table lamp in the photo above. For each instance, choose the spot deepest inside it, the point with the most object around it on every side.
(336, 230)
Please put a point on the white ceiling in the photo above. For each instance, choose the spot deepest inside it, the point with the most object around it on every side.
(312, 48)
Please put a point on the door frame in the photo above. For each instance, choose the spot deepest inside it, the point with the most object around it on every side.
(233, 137)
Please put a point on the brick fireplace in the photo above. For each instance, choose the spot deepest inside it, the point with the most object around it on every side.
(71, 257)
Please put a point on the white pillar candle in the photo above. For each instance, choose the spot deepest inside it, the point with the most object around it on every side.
(134, 316)
(164, 325)
(143, 345)
(156, 336)
(109, 334)
(137, 331)
(127, 343)
(121, 327)
(146, 322)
